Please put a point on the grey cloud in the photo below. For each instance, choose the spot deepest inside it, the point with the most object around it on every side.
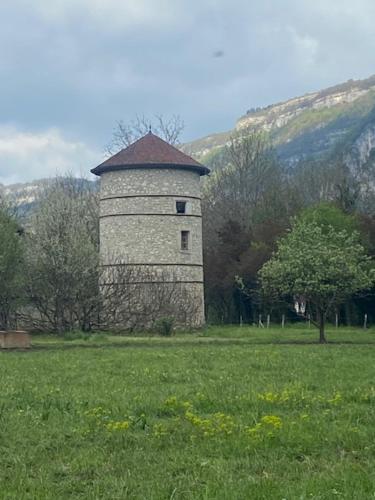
(80, 65)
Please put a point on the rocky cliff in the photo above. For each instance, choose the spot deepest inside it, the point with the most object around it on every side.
(23, 195)
(314, 125)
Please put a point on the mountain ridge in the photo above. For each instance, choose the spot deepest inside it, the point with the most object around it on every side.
(311, 125)
(337, 120)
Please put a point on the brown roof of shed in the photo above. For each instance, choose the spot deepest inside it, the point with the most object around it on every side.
(150, 151)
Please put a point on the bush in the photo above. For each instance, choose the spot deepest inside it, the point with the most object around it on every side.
(164, 326)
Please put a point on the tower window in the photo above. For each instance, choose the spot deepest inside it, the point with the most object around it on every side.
(181, 207)
(185, 240)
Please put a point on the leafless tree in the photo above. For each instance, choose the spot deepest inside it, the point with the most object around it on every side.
(250, 188)
(124, 134)
(11, 265)
(133, 298)
(62, 257)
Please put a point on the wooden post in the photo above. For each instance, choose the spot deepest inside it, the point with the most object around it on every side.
(283, 321)
(337, 320)
(268, 320)
(365, 322)
(240, 320)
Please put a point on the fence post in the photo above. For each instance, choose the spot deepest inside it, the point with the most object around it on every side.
(365, 322)
(268, 320)
(337, 320)
(283, 321)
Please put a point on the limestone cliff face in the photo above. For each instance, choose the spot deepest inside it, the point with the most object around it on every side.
(360, 159)
(23, 195)
(312, 125)
(363, 148)
(278, 115)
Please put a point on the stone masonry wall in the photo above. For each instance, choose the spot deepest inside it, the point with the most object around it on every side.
(139, 224)
(142, 181)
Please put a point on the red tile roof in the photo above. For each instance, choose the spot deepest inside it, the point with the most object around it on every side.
(150, 151)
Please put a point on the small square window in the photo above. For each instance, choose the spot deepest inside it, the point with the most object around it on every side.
(181, 207)
(185, 240)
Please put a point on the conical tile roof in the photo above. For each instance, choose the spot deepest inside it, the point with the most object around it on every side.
(150, 151)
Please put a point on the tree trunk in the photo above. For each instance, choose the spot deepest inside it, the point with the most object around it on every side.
(321, 321)
(348, 315)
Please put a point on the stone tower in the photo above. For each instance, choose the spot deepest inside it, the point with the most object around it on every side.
(150, 215)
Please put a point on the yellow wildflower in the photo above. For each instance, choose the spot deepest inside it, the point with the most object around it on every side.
(272, 420)
(118, 426)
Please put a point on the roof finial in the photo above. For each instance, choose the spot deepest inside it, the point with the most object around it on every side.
(150, 129)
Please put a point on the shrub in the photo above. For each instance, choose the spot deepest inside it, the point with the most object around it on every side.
(164, 326)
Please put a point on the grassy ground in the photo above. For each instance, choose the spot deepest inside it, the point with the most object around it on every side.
(230, 413)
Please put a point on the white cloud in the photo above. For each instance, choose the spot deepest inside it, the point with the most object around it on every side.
(26, 156)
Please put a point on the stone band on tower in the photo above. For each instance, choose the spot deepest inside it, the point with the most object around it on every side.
(150, 215)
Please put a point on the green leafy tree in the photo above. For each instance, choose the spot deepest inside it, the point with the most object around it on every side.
(11, 258)
(327, 214)
(317, 265)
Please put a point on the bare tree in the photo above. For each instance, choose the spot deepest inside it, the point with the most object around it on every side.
(11, 263)
(134, 298)
(251, 188)
(62, 271)
(124, 134)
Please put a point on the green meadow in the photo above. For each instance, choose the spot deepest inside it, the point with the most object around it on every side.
(228, 413)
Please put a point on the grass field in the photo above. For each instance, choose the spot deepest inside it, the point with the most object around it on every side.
(230, 413)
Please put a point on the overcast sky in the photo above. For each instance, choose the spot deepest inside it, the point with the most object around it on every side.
(69, 69)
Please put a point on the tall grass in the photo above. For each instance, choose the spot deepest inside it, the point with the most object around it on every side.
(230, 415)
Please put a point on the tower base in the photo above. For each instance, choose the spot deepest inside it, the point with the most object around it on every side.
(132, 303)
